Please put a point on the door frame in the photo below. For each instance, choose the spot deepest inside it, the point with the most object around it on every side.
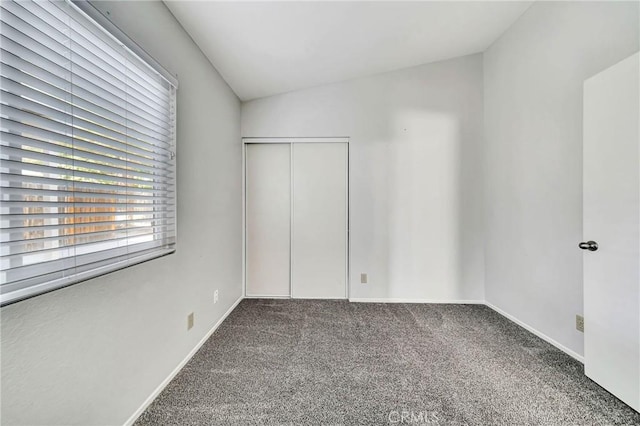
(291, 141)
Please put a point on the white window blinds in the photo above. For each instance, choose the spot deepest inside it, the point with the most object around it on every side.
(87, 162)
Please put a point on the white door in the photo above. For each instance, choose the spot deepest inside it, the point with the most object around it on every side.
(268, 211)
(612, 220)
(319, 222)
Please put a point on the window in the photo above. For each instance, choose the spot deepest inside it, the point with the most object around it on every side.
(87, 161)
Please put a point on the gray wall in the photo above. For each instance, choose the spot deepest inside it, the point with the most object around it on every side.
(93, 352)
(415, 173)
(533, 156)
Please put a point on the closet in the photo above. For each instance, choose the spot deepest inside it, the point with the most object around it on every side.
(296, 218)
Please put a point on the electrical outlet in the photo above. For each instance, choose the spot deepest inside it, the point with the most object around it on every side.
(580, 323)
(190, 321)
(363, 278)
(215, 296)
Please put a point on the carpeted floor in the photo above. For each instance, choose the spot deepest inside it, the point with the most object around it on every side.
(294, 362)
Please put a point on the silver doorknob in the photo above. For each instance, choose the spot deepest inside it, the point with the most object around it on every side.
(589, 245)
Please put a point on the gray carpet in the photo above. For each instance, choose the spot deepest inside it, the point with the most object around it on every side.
(293, 362)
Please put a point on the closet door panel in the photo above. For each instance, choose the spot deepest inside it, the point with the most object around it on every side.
(268, 219)
(319, 222)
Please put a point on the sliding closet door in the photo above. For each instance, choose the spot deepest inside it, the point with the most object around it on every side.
(268, 219)
(319, 222)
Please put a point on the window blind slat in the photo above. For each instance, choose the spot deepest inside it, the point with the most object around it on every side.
(62, 170)
(52, 268)
(38, 219)
(60, 226)
(78, 162)
(86, 245)
(16, 129)
(86, 99)
(47, 265)
(49, 123)
(35, 108)
(89, 119)
(84, 96)
(23, 194)
(67, 237)
(87, 151)
(49, 83)
(31, 144)
(85, 74)
(8, 180)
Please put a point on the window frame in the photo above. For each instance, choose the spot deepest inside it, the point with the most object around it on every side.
(104, 25)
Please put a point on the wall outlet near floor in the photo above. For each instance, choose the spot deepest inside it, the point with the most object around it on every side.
(580, 323)
(215, 296)
(190, 321)
(363, 278)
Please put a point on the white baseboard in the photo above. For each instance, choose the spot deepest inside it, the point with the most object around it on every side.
(179, 367)
(537, 333)
(260, 296)
(257, 296)
(319, 298)
(397, 300)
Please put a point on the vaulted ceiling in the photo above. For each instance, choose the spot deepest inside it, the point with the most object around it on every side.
(265, 48)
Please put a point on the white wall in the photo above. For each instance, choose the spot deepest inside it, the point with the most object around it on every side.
(415, 169)
(533, 159)
(93, 352)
